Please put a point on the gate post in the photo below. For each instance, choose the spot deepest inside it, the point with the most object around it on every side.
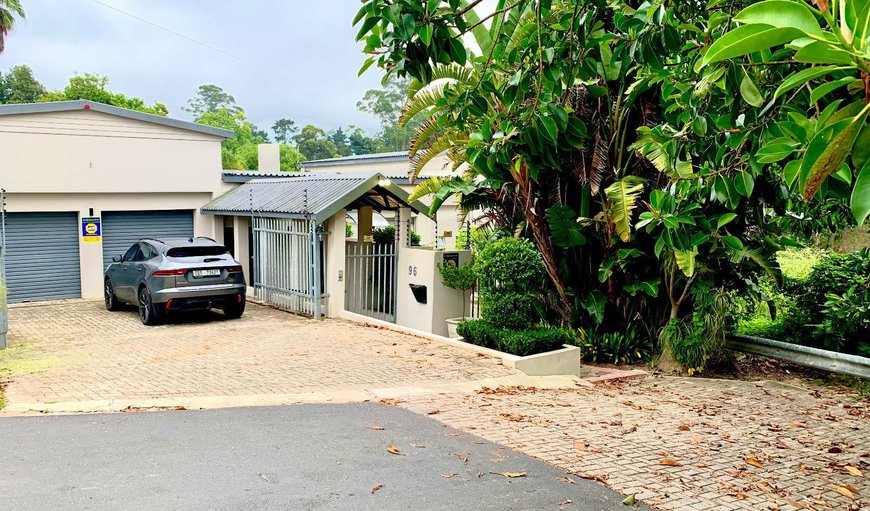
(315, 269)
(335, 263)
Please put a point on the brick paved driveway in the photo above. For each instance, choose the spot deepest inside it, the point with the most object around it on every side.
(82, 353)
(685, 443)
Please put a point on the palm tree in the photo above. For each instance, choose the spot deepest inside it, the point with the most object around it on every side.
(8, 10)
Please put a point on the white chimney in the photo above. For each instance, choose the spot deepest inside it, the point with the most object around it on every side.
(269, 157)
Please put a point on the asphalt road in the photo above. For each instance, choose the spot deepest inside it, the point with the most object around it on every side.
(293, 457)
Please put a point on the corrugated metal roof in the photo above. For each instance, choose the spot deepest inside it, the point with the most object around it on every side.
(243, 176)
(66, 106)
(315, 196)
(358, 158)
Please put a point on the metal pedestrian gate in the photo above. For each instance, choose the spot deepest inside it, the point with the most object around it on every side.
(288, 264)
(371, 273)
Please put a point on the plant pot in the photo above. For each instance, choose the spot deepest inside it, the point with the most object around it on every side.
(451, 327)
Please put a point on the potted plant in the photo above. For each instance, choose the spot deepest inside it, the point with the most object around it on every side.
(461, 278)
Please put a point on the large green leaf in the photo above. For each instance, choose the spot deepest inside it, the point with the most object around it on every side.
(861, 195)
(750, 92)
(834, 154)
(747, 39)
(686, 260)
(565, 230)
(803, 76)
(593, 302)
(818, 52)
(622, 198)
(782, 14)
(828, 87)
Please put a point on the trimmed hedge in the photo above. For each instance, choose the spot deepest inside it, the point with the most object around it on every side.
(516, 342)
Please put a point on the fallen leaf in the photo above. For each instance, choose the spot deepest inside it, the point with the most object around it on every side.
(754, 462)
(671, 463)
(389, 401)
(630, 500)
(851, 488)
(433, 412)
(684, 427)
(463, 459)
(567, 480)
(854, 471)
(800, 505)
(510, 474)
(448, 476)
(418, 446)
(835, 450)
(377, 487)
(394, 450)
(846, 493)
(264, 477)
(377, 428)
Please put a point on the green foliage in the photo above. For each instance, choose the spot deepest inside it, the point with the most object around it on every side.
(516, 342)
(510, 264)
(94, 87)
(847, 317)
(9, 10)
(283, 129)
(387, 236)
(19, 86)
(210, 98)
(460, 277)
(626, 347)
(313, 143)
(510, 309)
(386, 105)
(348, 230)
(697, 339)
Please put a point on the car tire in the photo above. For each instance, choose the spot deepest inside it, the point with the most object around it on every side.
(149, 312)
(111, 301)
(235, 310)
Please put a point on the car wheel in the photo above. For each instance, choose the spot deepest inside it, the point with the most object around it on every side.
(112, 303)
(149, 313)
(235, 310)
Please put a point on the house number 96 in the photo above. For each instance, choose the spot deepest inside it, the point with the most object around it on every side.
(412, 270)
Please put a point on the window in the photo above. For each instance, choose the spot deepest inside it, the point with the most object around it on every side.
(133, 252)
(212, 250)
(148, 252)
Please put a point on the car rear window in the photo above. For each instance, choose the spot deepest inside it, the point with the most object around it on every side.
(196, 251)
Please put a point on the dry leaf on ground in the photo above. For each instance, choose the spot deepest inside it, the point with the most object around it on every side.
(754, 462)
(377, 428)
(377, 487)
(567, 480)
(671, 463)
(395, 450)
(854, 471)
(846, 493)
(448, 476)
(510, 474)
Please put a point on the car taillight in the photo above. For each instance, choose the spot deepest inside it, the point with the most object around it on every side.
(170, 273)
(234, 269)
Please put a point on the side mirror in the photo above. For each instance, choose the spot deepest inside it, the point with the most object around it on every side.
(116, 259)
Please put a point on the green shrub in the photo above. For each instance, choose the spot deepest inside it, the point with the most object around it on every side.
(458, 277)
(626, 347)
(697, 339)
(510, 264)
(508, 309)
(847, 319)
(387, 236)
(348, 230)
(516, 342)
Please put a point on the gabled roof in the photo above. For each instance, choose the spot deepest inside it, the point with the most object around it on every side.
(358, 158)
(311, 196)
(243, 176)
(67, 106)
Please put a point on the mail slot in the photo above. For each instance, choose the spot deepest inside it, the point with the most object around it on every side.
(419, 292)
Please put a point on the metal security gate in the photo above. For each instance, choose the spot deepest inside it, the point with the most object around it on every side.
(42, 256)
(288, 264)
(123, 228)
(372, 273)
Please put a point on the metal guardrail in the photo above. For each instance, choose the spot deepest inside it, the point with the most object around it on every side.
(832, 361)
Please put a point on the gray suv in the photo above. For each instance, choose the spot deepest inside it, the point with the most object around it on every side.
(165, 276)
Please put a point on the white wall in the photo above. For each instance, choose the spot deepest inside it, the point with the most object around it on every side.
(420, 266)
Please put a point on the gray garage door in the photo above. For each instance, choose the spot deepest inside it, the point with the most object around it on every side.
(122, 228)
(42, 257)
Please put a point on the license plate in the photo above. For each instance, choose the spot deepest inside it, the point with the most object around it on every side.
(206, 273)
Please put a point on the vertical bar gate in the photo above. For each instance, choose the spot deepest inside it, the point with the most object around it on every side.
(288, 261)
(371, 271)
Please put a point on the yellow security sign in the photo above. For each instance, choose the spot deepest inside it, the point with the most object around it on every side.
(91, 230)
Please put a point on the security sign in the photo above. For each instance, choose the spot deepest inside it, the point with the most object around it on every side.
(91, 231)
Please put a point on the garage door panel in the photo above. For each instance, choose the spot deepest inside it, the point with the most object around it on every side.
(121, 229)
(42, 256)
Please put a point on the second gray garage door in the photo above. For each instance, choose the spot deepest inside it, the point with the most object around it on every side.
(123, 228)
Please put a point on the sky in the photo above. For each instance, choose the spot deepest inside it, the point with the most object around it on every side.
(291, 58)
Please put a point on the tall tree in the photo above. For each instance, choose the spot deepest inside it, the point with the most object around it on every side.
(313, 143)
(283, 129)
(94, 87)
(9, 9)
(339, 139)
(19, 86)
(211, 98)
(359, 141)
(386, 104)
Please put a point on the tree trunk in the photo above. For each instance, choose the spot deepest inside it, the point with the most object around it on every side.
(667, 362)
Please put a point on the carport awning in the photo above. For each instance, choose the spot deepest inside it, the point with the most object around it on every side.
(311, 196)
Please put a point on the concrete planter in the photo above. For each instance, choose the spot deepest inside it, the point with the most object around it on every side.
(452, 323)
(557, 362)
